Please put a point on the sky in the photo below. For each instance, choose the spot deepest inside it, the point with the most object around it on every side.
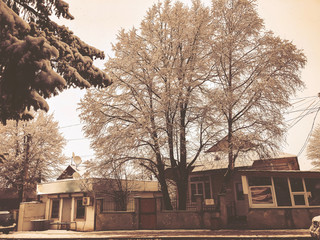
(97, 22)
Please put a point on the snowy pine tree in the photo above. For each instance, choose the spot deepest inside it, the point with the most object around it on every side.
(39, 58)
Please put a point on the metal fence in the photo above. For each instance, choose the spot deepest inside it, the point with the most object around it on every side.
(191, 206)
(112, 205)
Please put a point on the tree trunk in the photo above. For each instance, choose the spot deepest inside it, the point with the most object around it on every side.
(164, 189)
(182, 184)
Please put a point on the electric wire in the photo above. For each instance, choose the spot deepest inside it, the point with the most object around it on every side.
(310, 133)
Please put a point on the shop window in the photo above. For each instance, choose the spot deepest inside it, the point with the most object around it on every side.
(282, 191)
(313, 189)
(261, 195)
(259, 181)
(261, 191)
(288, 192)
(55, 208)
(296, 185)
(299, 200)
(298, 191)
(80, 212)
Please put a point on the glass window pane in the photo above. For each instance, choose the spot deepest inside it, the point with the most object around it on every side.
(313, 187)
(299, 200)
(200, 188)
(261, 195)
(55, 208)
(296, 185)
(193, 192)
(207, 190)
(259, 181)
(282, 191)
(80, 209)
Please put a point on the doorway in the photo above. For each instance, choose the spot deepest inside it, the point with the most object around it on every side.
(148, 211)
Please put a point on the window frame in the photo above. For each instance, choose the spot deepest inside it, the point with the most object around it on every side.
(304, 193)
(76, 209)
(51, 207)
(202, 179)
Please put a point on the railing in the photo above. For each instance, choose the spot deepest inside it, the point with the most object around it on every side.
(192, 206)
(110, 205)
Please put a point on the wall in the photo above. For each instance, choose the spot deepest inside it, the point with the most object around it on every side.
(187, 220)
(30, 211)
(281, 218)
(198, 219)
(117, 221)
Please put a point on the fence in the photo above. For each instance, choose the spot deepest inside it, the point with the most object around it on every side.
(112, 205)
(192, 206)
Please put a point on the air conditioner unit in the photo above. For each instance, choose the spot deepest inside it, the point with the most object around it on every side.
(86, 201)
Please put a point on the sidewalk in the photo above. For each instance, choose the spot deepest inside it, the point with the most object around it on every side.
(163, 234)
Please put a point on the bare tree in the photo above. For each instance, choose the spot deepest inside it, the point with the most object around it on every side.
(313, 148)
(155, 113)
(187, 78)
(255, 74)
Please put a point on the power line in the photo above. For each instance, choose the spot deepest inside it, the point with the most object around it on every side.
(309, 135)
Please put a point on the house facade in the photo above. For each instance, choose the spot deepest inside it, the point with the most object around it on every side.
(270, 193)
(85, 204)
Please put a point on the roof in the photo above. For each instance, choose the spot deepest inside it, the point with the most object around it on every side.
(280, 173)
(241, 142)
(68, 173)
(94, 184)
(213, 161)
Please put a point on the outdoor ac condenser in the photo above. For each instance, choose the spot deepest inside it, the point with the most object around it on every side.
(86, 201)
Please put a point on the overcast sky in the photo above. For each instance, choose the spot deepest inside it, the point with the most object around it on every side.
(97, 22)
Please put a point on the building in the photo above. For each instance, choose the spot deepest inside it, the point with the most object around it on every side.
(83, 203)
(262, 194)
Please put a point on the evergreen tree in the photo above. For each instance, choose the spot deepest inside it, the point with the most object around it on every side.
(39, 58)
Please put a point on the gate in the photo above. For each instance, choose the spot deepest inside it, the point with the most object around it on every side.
(148, 211)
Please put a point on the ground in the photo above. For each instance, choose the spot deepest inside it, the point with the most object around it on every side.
(163, 234)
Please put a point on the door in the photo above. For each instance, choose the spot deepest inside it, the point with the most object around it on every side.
(148, 210)
(66, 210)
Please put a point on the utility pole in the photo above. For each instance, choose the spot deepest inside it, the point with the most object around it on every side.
(25, 175)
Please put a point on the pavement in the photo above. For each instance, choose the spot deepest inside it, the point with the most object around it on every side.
(297, 234)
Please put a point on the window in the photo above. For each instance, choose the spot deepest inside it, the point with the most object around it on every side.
(298, 191)
(200, 185)
(283, 191)
(261, 191)
(80, 212)
(313, 191)
(261, 195)
(55, 208)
